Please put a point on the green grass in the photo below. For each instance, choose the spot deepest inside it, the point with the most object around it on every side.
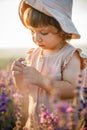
(7, 56)
(5, 62)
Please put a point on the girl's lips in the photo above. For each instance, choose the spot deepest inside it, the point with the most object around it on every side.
(41, 45)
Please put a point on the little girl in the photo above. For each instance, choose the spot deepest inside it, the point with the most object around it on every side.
(52, 68)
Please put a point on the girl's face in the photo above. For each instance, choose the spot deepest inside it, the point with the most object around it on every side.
(48, 37)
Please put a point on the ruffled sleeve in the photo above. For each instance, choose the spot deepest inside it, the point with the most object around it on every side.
(83, 59)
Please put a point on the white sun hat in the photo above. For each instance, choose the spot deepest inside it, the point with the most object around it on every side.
(61, 10)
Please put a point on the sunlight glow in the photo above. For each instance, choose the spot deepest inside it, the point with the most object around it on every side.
(14, 34)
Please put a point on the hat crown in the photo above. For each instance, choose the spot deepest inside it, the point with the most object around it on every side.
(63, 6)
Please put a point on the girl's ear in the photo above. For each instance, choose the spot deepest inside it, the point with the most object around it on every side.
(61, 33)
(65, 36)
(22, 7)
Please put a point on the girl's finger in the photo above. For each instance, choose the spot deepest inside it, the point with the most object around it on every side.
(17, 68)
(14, 73)
(21, 59)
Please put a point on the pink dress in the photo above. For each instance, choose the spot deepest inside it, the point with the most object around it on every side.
(53, 66)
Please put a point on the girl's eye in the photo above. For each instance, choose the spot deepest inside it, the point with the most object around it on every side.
(44, 33)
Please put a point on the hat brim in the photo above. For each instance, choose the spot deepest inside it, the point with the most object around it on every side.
(64, 21)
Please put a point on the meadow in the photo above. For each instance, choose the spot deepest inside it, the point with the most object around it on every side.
(7, 56)
(9, 92)
(16, 119)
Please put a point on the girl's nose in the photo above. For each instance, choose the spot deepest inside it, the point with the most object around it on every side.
(37, 37)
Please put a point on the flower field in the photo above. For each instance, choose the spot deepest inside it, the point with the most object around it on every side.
(13, 108)
(12, 112)
(14, 105)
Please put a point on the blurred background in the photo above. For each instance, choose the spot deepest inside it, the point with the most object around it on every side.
(15, 39)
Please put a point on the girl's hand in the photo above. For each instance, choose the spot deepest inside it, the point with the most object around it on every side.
(17, 67)
(17, 72)
(32, 76)
(27, 76)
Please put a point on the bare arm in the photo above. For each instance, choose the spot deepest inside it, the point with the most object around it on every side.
(64, 88)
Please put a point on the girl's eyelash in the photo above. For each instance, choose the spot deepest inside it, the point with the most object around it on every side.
(43, 33)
